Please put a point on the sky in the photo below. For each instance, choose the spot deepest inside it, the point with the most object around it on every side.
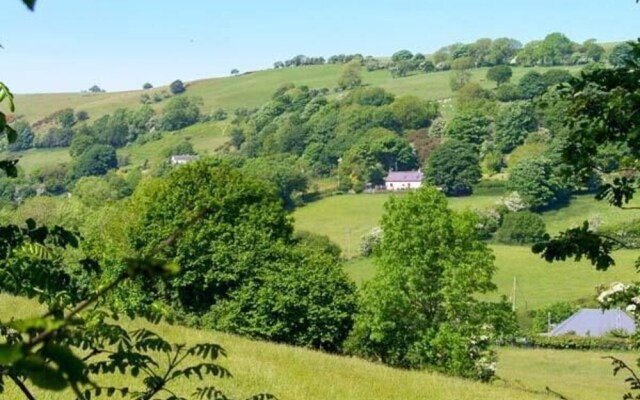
(70, 45)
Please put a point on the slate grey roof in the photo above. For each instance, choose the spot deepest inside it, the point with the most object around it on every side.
(404, 176)
(595, 322)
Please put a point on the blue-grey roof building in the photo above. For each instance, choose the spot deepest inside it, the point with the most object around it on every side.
(595, 322)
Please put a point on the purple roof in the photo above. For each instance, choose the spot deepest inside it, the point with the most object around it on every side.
(595, 322)
(404, 176)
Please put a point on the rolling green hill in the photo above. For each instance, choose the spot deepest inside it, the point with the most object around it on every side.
(248, 90)
(294, 373)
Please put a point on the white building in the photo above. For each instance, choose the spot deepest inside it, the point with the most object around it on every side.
(183, 159)
(403, 180)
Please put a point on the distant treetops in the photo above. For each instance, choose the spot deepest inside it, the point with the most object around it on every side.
(554, 50)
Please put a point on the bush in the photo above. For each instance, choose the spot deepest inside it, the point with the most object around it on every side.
(508, 92)
(522, 227)
(219, 115)
(95, 160)
(370, 241)
(177, 87)
(82, 115)
(240, 263)
(554, 313)
(179, 113)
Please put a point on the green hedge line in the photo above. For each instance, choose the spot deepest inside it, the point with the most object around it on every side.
(570, 342)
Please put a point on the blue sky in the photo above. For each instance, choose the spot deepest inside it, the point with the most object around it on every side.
(69, 45)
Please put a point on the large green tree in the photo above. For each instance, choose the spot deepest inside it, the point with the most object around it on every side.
(238, 255)
(421, 309)
(454, 167)
(537, 182)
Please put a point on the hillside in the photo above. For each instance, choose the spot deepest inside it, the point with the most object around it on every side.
(294, 373)
(249, 90)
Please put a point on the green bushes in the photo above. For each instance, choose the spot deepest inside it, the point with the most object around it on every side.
(570, 342)
(522, 227)
(240, 264)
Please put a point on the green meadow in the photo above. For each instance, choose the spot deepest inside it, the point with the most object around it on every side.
(294, 373)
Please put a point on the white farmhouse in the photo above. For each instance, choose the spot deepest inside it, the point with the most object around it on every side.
(183, 159)
(403, 180)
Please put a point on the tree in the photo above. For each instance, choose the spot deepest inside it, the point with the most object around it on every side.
(512, 126)
(96, 89)
(241, 265)
(80, 143)
(235, 72)
(182, 148)
(147, 86)
(24, 139)
(454, 167)
(351, 76)
(535, 180)
(82, 115)
(458, 79)
(94, 192)
(370, 96)
(413, 112)
(522, 227)
(621, 55)
(179, 113)
(421, 309)
(177, 87)
(95, 160)
(532, 84)
(471, 127)
(65, 118)
(402, 55)
(288, 179)
(499, 74)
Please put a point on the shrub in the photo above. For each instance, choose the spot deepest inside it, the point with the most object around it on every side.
(508, 92)
(522, 227)
(553, 313)
(95, 160)
(179, 113)
(370, 241)
(177, 87)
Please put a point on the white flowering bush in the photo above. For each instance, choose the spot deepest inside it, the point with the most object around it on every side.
(514, 202)
(370, 241)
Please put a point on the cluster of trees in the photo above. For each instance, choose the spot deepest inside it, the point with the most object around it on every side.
(403, 62)
(554, 49)
(302, 60)
(360, 136)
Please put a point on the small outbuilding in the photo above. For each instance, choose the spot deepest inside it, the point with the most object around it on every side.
(595, 322)
(403, 180)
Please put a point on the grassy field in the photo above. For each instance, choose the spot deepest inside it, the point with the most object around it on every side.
(248, 90)
(538, 283)
(346, 218)
(294, 373)
(34, 159)
(206, 138)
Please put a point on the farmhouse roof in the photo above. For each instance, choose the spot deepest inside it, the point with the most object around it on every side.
(595, 322)
(404, 176)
